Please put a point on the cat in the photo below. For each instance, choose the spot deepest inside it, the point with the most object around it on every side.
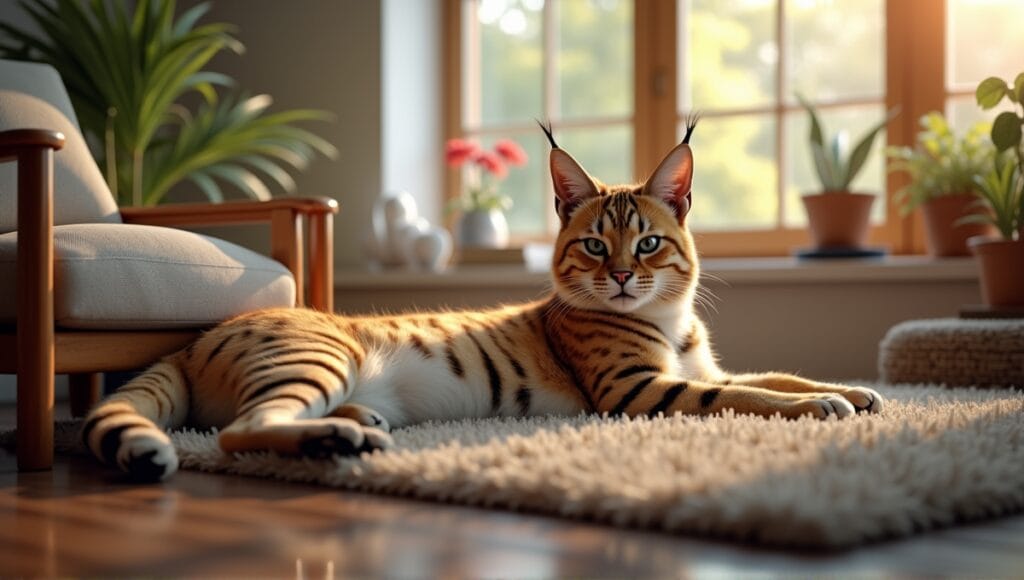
(617, 335)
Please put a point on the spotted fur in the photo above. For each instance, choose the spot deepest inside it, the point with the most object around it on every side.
(617, 335)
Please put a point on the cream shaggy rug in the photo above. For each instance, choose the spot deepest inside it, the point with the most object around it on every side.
(933, 458)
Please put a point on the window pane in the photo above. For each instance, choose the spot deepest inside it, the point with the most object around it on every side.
(526, 185)
(605, 152)
(503, 62)
(984, 40)
(595, 60)
(962, 112)
(734, 175)
(835, 49)
(801, 177)
(727, 54)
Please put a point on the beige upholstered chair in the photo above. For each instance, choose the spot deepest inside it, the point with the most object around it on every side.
(86, 287)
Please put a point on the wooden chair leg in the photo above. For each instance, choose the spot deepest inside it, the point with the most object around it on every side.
(35, 310)
(84, 391)
(321, 262)
(286, 247)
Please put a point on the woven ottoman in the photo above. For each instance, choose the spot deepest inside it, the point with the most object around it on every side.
(954, 352)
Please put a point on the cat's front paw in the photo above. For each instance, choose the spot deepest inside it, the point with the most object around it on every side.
(822, 407)
(865, 400)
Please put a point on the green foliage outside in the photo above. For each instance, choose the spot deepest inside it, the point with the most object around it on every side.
(128, 75)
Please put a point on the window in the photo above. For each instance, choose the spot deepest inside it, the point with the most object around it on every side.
(983, 39)
(570, 62)
(618, 76)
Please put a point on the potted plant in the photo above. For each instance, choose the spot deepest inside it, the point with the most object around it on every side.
(942, 168)
(482, 223)
(1001, 199)
(128, 73)
(838, 216)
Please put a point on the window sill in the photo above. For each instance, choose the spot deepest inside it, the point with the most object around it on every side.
(732, 271)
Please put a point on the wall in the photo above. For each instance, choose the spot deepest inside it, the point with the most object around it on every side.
(412, 133)
(376, 66)
(322, 54)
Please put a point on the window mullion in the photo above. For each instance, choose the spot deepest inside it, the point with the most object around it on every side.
(549, 81)
(780, 113)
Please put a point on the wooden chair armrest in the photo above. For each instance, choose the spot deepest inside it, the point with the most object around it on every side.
(16, 141)
(228, 213)
(285, 216)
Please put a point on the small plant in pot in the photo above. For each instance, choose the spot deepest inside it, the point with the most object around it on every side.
(483, 224)
(942, 168)
(838, 216)
(1000, 194)
(1001, 199)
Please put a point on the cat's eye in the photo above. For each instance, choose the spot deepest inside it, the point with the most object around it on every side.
(648, 244)
(595, 246)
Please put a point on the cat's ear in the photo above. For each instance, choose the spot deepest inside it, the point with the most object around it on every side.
(672, 179)
(573, 184)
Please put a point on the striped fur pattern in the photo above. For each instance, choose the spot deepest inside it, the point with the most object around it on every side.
(617, 335)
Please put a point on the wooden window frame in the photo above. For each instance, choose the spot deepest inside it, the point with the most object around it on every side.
(915, 61)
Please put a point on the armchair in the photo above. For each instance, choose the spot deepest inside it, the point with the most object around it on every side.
(87, 288)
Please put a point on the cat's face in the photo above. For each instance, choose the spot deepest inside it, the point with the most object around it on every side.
(624, 248)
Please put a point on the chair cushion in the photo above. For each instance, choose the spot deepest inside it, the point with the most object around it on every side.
(116, 276)
(32, 96)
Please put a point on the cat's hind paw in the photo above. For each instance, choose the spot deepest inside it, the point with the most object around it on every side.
(147, 456)
(363, 415)
(343, 437)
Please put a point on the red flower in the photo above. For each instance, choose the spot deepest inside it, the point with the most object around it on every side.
(492, 164)
(511, 152)
(458, 151)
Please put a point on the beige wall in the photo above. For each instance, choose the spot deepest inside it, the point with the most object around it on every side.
(323, 54)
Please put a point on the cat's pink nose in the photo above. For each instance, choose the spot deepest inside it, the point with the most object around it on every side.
(622, 276)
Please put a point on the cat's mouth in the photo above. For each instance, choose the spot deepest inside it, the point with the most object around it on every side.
(624, 296)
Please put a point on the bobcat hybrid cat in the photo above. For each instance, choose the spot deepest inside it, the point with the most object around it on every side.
(617, 335)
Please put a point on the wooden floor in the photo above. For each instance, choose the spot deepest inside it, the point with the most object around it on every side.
(80, 520)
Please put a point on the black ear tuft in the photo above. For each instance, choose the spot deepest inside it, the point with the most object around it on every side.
(547, 132)
(691, 124)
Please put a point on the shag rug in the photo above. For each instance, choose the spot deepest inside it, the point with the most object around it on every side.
(933, 458)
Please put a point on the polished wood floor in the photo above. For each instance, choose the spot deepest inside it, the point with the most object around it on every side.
(80, 520)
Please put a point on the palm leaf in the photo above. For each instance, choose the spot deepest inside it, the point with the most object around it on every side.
(126, 75)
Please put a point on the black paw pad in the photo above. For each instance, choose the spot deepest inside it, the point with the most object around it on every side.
(144, 469)
(327, 445)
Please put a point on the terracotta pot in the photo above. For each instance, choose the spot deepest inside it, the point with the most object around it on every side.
(945, 238)
(1002, 270)
(838, 219)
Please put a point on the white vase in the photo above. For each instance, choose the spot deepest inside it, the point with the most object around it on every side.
(483, 229)
(392, 212)
(432, 250)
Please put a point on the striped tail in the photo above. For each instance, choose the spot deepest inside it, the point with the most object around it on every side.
(128, 428)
